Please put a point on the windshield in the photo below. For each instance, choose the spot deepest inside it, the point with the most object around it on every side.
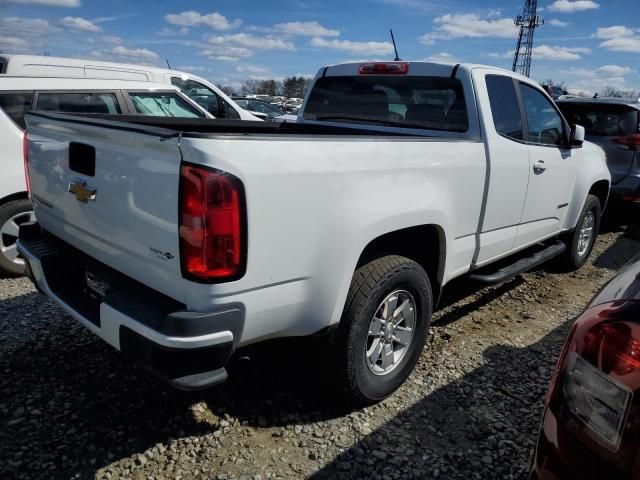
(434, 103)
(163, 105)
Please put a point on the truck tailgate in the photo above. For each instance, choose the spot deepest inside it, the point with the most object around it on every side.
(111, 193)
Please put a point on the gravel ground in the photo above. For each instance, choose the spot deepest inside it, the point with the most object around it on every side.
(71, 407)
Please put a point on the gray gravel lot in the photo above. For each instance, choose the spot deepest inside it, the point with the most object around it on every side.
(72, 407)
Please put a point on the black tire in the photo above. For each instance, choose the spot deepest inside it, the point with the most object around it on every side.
(350, 373)
(572, 259)
(7, 211)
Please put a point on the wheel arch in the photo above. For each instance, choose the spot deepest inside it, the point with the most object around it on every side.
(424, 244)
(601, 190)
(14, 196)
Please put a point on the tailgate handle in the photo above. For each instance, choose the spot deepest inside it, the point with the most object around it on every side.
(82, 191)
(82, 159)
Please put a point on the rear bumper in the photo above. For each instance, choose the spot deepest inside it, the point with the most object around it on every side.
(188, 349)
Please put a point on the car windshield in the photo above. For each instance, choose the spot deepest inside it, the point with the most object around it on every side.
(163, 105)
(263, 107)
(434, 103)
(602, 119)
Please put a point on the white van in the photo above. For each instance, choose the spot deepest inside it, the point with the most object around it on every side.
(18, 95)
(197, 88)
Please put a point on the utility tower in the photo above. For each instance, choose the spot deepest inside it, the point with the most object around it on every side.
(528, 22)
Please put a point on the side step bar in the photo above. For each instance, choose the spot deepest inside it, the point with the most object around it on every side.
(521, 265)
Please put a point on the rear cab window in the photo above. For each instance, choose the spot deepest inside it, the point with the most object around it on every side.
(421, 102)
(163, 104)
(613, 120)
(15, 105)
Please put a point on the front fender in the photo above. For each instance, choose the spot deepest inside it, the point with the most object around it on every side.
(592, 168)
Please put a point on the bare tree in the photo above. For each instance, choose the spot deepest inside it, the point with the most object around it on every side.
(228, 90)
(610, 91)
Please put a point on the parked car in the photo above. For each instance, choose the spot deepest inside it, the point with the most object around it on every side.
(201, 90)
(259, 107)
(614, 124)
(353, 238)
(591, 424)
(18, 95)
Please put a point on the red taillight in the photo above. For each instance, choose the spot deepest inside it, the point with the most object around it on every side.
(25, 156)
(389, 68)
(630, 141)
(599, 371)
(212, 241)
(631, 198)
(613, 347)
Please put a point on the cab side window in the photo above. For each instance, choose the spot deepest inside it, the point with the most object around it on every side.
(505, 108)
(97, 103)
(15, 105)
(205, 97)
(545, 123)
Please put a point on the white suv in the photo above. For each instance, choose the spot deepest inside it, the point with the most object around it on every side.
(18, 95)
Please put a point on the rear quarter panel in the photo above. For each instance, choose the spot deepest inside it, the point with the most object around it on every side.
(12, 178)
(313, 204)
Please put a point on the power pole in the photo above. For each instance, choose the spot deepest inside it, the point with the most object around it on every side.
(528, 22)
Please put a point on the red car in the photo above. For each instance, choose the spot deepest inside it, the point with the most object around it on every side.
(591, 423)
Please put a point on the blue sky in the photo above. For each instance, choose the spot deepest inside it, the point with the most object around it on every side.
(586, 43)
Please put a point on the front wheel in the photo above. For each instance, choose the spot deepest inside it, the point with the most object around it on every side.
(382, 331)
(581, 241)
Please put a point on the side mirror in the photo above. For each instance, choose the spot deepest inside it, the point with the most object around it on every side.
(577, 136)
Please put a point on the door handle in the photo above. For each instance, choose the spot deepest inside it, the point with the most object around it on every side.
(539, 166)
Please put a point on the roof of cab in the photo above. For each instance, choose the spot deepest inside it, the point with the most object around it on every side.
(18, 83)
(417, 68)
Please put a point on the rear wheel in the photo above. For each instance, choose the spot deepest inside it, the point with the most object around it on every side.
(382, 331)
(12, 215)
(581, 241)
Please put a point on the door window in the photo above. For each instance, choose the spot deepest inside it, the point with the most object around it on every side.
(15, 105)
(169, 104)
(545, 125)
(105, 103)
(505, 108)
(205, 97)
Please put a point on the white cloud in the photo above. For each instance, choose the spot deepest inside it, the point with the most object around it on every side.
(469, 25)
(226, 53)
(251, 69)
(308, 29)
(593, 79)
(548, 52)
(442, 57)
(615, 70)
(619, 38)
(568, 6)
(614, 32)
(122, 53)
(48, 3)
(191, 68)
(31, 33)
(420, 5)
(112, 39)
(171, 32)
(625, 44)
(249, 41)
(212, 20)
(359, 48)
(13, 44)
(78, 23)
(558, 23)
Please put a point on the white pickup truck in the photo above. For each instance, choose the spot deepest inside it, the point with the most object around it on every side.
(179, 241)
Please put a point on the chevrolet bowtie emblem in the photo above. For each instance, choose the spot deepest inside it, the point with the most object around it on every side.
(82, 191)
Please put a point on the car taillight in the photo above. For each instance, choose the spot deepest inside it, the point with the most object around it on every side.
(630, 141)
(388, 68)
(212, 236)
(599, 371)
(25, 156)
